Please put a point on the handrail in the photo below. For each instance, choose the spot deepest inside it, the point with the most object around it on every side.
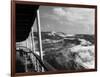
(44, 64)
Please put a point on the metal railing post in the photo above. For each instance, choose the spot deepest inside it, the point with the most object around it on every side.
(40, 38)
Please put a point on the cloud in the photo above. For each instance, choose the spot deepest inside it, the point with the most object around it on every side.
(70, 18)
(76, 16)
(73, 14)
(59, 11)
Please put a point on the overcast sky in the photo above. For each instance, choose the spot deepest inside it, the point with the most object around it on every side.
(70, 20)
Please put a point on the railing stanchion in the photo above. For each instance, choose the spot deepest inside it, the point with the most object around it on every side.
(40, 38)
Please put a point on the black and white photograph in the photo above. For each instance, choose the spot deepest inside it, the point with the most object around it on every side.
(54, 38)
